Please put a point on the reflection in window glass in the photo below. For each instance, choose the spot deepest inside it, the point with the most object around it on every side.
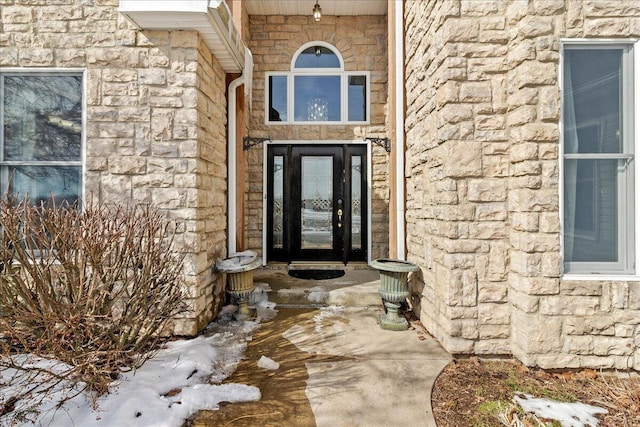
(317, 98)
(316, 216)
(42, 117)
(39, 183)
(356, 202)
(42, 122)
(317, 57)
(592, 186)
(277, 98)
(278, 200)
(357, 93)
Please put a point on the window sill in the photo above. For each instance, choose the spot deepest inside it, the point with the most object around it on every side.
(602, 277)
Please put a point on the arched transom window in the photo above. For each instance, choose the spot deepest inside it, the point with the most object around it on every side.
(317, 89)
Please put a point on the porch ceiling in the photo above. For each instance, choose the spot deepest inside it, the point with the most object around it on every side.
(329, 7)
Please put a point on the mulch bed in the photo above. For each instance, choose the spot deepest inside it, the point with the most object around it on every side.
(474, 392)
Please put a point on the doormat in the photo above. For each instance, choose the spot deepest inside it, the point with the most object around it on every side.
(316, 274)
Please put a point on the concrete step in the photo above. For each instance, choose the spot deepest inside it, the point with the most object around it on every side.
(357, 288)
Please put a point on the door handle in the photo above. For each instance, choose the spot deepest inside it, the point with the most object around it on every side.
(339, 218)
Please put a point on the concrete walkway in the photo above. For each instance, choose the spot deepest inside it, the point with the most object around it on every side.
(337, 367)
(385, 379)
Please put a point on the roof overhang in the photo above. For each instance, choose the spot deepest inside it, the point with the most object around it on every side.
(211, 18)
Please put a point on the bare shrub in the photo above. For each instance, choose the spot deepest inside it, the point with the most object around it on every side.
(92, 288)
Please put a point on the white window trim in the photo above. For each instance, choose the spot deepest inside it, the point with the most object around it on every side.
(83, 138)
(314, 44)
(634, 45)
(344, 88)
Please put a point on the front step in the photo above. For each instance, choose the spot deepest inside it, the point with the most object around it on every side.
(357, 288)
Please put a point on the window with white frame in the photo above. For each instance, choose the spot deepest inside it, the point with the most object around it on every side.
(598, 158)
(41, 139)
(317, 89)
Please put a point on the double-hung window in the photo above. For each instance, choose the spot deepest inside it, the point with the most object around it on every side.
(42, 135)
(598, 158)
(317, 89)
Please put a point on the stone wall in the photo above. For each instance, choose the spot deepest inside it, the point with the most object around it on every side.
(483, 110)
(362, 43)
(558, 322)
(457, 170)
(156, 116)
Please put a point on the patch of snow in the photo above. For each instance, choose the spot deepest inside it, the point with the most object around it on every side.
(265, 310)
(236, 260)
(178, 381)
(260, 293)
(318, 295)
(329, 312)
(567, 414)
(267, 363)
(344, 283)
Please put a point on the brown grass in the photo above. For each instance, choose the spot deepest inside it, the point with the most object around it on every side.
(479, 393)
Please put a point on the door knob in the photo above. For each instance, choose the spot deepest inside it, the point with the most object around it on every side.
(339, 218)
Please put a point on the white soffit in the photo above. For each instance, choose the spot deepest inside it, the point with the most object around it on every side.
(305, 7)
(211, 18)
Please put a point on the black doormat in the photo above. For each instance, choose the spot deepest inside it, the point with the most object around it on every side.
(316, 274)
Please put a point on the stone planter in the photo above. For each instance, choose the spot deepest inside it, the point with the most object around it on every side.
(239, 269)
(394, 289)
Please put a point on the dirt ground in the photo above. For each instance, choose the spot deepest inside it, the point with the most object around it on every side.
(473, 392)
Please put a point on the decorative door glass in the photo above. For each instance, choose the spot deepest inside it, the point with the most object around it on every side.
(278, 201)
(317, 202)
(356, 202)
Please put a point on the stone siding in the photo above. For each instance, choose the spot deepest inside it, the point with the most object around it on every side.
(458, 170)
(483, 111)
(558, 322)
(155, 128)
(362, 42)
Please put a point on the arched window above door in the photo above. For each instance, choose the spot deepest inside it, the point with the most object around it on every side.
(316, 55)
(317, 89)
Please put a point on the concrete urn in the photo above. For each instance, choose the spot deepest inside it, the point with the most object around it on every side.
(394, 289)
(239, 269)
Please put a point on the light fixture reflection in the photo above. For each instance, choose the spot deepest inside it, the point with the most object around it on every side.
(317, 12)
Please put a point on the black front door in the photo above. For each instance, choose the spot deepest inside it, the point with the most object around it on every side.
(316, 199)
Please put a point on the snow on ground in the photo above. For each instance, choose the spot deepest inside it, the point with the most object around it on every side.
(181, 379)
(567, 414)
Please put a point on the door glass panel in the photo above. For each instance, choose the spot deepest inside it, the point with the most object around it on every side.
(317, 202)
(356, 202)
(317, 98)
(278, 198)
